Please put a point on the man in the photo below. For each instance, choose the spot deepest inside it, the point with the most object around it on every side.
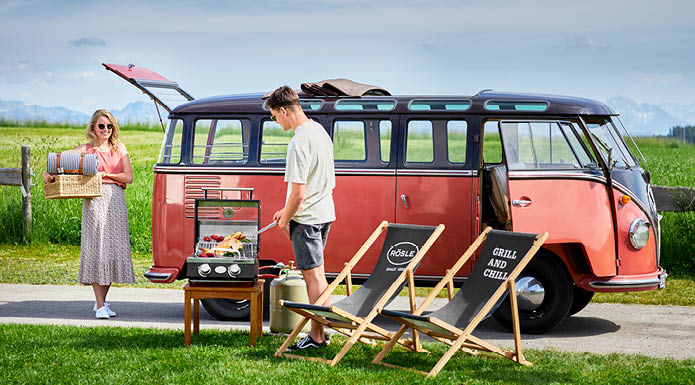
(309, 211)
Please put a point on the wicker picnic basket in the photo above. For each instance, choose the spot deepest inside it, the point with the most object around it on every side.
(73, 186)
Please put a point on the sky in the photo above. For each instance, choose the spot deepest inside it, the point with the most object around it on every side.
(644, 50)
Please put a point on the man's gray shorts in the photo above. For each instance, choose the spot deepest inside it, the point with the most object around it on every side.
(308, 242)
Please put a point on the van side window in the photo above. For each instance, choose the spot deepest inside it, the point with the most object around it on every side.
(419, 142)
(456, 133)
(221, 141)
(537, 145)
(274, 142)
(349, 140)
(492, 145)
(171, 144)
(385, 140)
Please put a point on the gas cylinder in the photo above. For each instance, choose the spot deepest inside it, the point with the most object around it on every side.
(291, 287)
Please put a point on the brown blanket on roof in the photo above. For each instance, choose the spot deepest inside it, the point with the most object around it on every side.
(342, 87)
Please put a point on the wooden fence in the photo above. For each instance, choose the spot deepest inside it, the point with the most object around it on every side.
(21, 177)
(674, 198)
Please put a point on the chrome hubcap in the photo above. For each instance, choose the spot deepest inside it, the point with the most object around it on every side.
(530, 293)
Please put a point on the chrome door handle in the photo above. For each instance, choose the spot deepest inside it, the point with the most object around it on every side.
(521, 203)
(404, 198)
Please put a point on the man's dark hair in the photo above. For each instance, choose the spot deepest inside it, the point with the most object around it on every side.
(282, 97)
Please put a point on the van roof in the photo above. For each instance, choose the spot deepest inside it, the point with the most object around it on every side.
(254, 103)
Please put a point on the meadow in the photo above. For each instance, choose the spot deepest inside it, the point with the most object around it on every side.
(57, 222)
(108, 355)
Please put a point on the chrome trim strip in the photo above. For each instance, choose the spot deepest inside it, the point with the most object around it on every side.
(157, 276)
(627, 284)
(555, 174)
(412, 172)
(217, 170)
(357, 171)
(338, 171)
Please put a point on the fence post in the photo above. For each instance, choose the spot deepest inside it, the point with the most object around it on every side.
(26, 193)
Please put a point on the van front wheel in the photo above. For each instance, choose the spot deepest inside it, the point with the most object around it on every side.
(544, 296)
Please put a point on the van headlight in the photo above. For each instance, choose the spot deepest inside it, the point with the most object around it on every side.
(639, 233)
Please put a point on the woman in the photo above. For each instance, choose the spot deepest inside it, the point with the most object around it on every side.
(105, 244)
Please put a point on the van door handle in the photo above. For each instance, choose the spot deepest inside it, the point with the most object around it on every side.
(404, 198)
(521, 202)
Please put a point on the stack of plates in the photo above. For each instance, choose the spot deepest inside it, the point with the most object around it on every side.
(71, 161)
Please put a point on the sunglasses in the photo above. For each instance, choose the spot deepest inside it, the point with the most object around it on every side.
(273, 118)
(103, 127)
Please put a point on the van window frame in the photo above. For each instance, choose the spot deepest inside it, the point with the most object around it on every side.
(568, 123)
(440, 144)
(247, 160)
(372, 139)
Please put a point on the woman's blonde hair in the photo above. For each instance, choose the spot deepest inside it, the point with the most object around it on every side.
(114, 139)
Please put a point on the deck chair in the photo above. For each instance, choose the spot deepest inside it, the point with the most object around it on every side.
(503, 257)
(403, 249)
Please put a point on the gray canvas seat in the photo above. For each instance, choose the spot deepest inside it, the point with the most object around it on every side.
(402, 251)
(503, 257)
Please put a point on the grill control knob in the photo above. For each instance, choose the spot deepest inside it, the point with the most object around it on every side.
(204, 269)
(234, 269)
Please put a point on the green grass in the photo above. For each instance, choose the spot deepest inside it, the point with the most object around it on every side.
(111, 355)
(58, 221)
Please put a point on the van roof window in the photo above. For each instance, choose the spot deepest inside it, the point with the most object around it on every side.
(439, 105)
(364, 105)
(307, 104)
(493, 105)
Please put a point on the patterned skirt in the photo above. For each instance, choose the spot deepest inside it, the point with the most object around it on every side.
(105, 247)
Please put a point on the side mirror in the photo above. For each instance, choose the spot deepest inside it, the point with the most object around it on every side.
(647, 177)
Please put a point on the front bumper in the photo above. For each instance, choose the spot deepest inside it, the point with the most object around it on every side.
(618, 283)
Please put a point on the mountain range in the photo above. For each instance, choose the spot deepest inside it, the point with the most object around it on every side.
(641, 119)
(136, 112)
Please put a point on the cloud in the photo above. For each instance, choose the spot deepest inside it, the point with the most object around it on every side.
(20, 65)
(584, 43)
(658, 78)
(88, 41)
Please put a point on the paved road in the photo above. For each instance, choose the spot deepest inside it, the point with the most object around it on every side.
(657, 331)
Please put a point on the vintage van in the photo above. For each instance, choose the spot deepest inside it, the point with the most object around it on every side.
(523, 162)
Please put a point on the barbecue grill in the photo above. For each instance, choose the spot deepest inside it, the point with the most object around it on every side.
(218, 255)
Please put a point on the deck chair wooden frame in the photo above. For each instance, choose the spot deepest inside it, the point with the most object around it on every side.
(359, 328)
(462, 339)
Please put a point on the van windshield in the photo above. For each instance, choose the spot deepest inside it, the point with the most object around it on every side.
(608, 141)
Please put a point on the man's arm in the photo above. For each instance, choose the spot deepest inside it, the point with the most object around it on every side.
(294, 203)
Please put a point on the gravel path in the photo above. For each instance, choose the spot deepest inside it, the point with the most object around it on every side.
(657, 331)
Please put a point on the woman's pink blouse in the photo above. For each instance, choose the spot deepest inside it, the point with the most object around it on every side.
(110, 162)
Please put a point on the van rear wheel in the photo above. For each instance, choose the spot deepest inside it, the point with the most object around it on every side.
(234, 310)
(544, 296)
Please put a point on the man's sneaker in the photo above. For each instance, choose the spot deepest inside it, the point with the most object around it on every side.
(108, 309)
(307, 343)
(102, 313)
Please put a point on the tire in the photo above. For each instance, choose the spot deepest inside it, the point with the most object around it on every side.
(234, 310)
(580, 300)
(555, 301)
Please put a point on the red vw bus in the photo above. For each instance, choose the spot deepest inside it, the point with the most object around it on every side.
(523, 162)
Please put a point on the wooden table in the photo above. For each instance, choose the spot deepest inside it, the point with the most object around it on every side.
(252, 293)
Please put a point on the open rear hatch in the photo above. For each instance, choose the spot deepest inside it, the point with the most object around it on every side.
(163, 91)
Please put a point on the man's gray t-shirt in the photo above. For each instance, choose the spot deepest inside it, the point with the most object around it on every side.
(310, 162)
